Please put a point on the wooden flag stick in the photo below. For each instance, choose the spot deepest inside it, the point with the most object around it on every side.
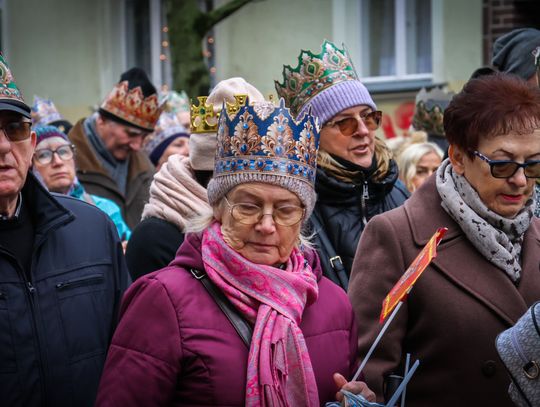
(377, 340)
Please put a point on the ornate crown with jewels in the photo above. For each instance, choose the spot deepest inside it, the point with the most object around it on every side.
(265, 138)
(204, 118)
(314, 73)
(131, 106)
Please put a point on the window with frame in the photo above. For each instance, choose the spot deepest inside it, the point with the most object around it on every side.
(395, 40)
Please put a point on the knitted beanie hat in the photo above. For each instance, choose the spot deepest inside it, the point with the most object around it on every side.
(325, 82)
(263, 143)
(512, 52)
(337, 98)
(168, 129)
(47, 132)
(202, 146)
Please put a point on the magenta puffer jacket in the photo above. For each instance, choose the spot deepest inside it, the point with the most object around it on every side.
(174, 346)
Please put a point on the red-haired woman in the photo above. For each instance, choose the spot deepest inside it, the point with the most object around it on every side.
(485, 275)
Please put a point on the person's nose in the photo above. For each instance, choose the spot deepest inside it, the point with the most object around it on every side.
(361, 128)
(5, 144)
(56, 161)
(266, 224)
(519, 179)
(136, 143)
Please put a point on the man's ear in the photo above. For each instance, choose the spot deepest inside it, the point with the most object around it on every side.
(33, 139)
(457, 158)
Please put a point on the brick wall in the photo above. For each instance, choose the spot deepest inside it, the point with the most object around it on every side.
(502, 16)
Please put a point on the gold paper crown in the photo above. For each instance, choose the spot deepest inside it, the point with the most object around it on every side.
(204, 119)
(132, 107)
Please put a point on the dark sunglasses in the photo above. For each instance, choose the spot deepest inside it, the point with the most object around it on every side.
(507, 168)
(17, 131)
(348, 126)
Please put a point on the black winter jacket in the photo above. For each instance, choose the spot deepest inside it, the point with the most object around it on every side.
(343, 209)
(55, 326)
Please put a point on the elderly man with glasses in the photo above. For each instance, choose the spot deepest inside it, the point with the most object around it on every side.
(62, 274)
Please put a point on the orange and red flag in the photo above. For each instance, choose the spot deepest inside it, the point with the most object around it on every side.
(407, 280)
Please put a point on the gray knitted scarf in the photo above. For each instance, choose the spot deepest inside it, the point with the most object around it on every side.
(497, 238)
(118, 170)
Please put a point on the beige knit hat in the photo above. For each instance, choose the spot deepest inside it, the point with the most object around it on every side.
(202, 146)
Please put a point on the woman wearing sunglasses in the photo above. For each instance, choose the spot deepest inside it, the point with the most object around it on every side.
(356, 177)
(54, 164)
(486, 273)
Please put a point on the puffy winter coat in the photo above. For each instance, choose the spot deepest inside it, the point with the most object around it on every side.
(343, 209)
(175, 347)
(56, 325)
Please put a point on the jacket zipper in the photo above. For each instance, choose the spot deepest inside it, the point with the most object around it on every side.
(365, 197)
(94, 278)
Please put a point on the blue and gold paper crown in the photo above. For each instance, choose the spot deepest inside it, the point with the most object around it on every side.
(314, 73)
(266, 139)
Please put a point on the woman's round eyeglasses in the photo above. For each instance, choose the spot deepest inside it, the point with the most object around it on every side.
(507, 168)
(347, 126)
(250, 214)
(45, 155)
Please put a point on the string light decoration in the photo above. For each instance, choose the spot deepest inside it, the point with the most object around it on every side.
(209, 55)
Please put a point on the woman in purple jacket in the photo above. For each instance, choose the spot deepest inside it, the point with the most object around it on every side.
(175, 346)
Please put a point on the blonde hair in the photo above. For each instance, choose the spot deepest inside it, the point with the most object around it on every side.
(409, 158)
(201, 221)
(383, 156)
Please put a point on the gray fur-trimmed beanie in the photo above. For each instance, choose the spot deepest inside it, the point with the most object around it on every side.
(512, 52)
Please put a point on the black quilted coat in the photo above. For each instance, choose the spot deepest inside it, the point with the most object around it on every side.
(342, 211)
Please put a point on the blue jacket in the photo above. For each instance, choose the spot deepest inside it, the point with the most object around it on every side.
(106, 205)
(55, 327)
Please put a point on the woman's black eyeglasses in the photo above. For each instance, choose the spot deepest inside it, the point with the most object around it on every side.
(45, 155)
(507, 168)
(348, 126)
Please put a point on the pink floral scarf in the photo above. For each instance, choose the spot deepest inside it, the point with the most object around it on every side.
(279, 371)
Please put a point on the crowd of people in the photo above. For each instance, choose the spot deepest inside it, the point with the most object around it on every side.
(236, 251)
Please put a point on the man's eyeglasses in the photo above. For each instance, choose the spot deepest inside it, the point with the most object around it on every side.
(45, 155)
(507, 168)
(348, 126)
(17, 131)
(250, 214)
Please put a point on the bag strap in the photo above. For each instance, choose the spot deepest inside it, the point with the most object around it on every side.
(238, 322)
(337, 273)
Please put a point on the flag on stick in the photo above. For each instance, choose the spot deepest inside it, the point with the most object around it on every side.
(407, 280)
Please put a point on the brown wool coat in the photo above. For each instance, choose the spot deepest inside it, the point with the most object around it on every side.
(452, 315)
(95, 179)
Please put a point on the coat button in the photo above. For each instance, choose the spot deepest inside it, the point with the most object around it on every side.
(488, 368)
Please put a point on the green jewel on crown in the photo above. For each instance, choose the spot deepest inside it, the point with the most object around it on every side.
(314, 73)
